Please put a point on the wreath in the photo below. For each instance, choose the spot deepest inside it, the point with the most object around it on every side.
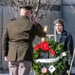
(54, 64)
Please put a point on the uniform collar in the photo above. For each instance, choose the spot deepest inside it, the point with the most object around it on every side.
(24, 17)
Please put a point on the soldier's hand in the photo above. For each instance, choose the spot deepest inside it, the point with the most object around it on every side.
(6, 58)
(34, 19)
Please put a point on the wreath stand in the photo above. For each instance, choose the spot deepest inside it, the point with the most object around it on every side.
(69, 71)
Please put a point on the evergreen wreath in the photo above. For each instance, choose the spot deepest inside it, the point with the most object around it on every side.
(54, 49)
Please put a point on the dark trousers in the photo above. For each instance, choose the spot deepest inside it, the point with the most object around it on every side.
(64, 73)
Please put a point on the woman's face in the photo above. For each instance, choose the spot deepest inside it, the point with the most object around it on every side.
(59, 27)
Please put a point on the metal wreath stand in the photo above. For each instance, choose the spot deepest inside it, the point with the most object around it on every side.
(69, 71)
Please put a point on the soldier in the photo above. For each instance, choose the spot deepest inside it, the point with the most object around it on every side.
(63, 36)
(17, 42)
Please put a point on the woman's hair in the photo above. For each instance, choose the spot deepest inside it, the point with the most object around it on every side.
(59, 21)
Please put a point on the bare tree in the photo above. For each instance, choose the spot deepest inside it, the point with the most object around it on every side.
(72, 10)
(37, 4)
